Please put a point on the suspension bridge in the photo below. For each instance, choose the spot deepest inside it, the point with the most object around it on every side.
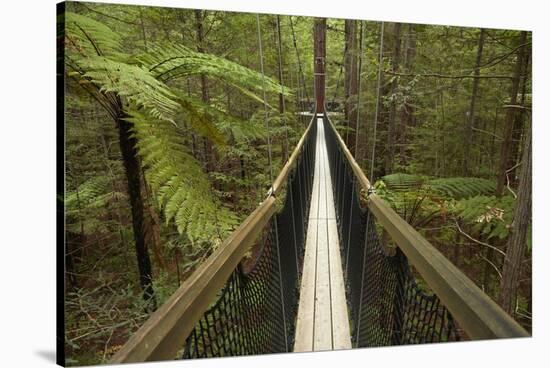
(322, 263)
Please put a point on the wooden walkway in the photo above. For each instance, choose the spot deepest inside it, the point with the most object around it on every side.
(323, 322)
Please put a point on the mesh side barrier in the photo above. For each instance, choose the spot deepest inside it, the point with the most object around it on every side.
(386, 303)
(259, 302)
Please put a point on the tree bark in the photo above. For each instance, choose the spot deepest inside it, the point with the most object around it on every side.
(518, 126)
(505, 150)
(133, 175)
(407, 109)
(319, 37)
(350, 81)
(517, 240)
(469, 134)
(205, 93)
(396, 60)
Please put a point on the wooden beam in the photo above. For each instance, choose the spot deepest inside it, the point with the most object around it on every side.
(475, 312)
(166, 330)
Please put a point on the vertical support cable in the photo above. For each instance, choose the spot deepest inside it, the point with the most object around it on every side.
(361, 41)
(280, 58)
(283, 108)
(371, 178)
(380, 56)
(271, 178)
(301, 75)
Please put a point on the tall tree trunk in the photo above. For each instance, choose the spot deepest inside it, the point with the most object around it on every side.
(407, 109)
(396, 60)
(151, 223)
(319, 37)
(517, 240)
(133, 176)
(518, 125)
(199, 23)
(350, 81)
(471, 111)
(505, 150)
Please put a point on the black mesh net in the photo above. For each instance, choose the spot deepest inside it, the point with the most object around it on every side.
(387, 304)
(255, 311)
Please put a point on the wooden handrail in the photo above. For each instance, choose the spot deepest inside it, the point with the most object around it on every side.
(476, 313)
(165, 332)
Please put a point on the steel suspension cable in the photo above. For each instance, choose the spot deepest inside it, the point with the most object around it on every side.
(280, 59)
(360, 61)
(266, 116)
(271, 177)
(377, 105)
(339, 76)
(381, 54)
(356, 133)
(283, 108)
(303, 80)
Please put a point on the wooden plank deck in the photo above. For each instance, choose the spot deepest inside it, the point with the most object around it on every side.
(323, 322)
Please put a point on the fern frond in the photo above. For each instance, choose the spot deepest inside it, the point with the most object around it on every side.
(89, 37)
(461, 187)
(86, 206)
(181, 188)
(400, 181)
(489, 215)
(133, 82)
(168, 62)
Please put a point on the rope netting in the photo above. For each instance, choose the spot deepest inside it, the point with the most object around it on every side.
(255, 311)
(388, 303)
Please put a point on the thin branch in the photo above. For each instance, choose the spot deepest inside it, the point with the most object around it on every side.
(492, 264)
(520, 107)
(478, 241)
(437, 75)
(107, 15)
(489, 133)
(508, 179)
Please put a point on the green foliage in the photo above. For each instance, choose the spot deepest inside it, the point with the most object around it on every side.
(86, 206)
(461, 187)
(413, 204)
(400, 181)
(182, 189)
(487, 215)
(172, 61)
(134, 83)
(87, 36)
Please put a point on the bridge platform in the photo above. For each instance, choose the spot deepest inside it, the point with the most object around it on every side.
(322, 322)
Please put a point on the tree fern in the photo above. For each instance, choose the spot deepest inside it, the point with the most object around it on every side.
(400, 181)
(134, 83)
(158, 111)
(488, 215)
(173, 61)
(182, 189)
(86, 204)
(461, 187)
(87, 36)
